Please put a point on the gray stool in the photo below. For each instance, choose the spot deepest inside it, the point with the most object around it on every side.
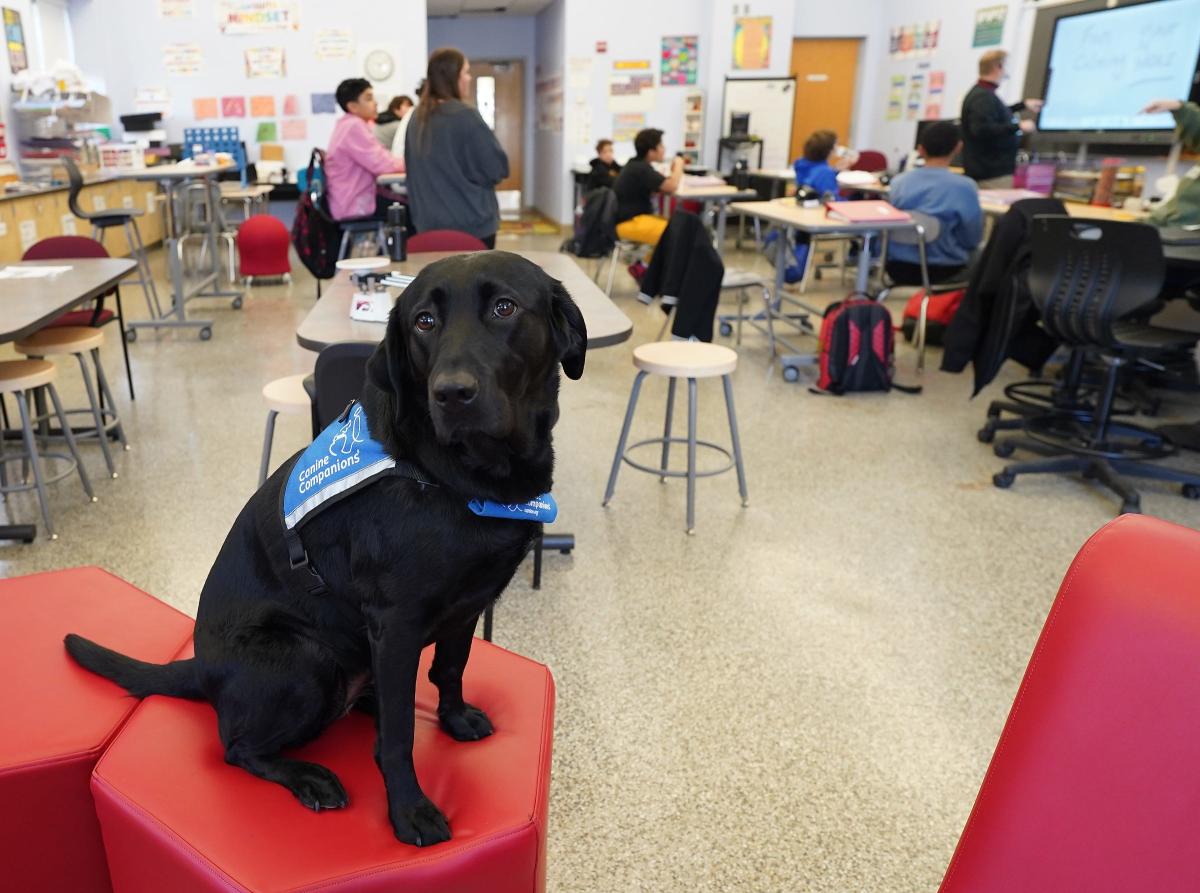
(22, 379)
(691, 360)
(286, 395)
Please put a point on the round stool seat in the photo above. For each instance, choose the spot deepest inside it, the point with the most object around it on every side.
(20, 375)
(287, 395)
(684, 359)
(61, 340)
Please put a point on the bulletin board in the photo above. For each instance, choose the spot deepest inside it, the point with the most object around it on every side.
(770, 103)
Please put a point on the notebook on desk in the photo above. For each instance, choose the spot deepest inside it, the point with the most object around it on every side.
(865, 212)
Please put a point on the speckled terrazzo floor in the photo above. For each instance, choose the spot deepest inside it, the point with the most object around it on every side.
(802, 696)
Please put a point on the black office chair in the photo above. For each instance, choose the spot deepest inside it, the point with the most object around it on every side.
(336, 380)
(1088, 278)
(102, 221)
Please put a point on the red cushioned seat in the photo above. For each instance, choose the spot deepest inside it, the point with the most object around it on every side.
(56, 718)
(82, 318)
(177, 818)
(1095, 784)
(262, 243)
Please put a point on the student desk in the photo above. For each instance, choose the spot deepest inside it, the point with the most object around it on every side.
(173, 177)
(780, 178)
(788, 216)
(721, 196)
(26, 305)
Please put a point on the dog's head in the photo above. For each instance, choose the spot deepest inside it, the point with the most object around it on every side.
(466, 379)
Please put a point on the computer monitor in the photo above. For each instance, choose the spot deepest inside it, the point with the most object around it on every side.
(739, 125)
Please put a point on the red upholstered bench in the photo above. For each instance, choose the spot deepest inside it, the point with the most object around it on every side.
(56, 718)
(177, 818)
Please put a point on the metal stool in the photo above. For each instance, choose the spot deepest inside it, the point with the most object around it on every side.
(22, 378)
(691, 360)
(286, 395)
(352, 228)
(81, 340)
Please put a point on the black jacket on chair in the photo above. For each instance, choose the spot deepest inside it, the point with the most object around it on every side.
(997, 319)
(687, 272)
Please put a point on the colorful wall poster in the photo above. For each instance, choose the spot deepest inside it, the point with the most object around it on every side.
(333, 43)
(680, 61)
(933, 111)
(631, 65)
(895, 109)
(265, 62)
(937, 81)
(14, 36)
(989, 26)
(267, 132)
(324, 104)
(626, 126)
(152, 99)
(257, 16)
(631, 93)
(262, 106)
(233, 106)
(204, 107)
(291, 104)
(183, 59)
(176, 9)
(752, 42)
(919, 39)
(293, 129)
(916, 95)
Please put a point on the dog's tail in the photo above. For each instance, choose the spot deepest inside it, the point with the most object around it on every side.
(179, 678)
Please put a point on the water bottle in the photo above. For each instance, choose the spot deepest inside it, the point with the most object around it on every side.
(395, 232)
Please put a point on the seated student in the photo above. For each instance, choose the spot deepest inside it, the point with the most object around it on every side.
(818, 167)
(636, 185)
(354, 157)
(939, 192)
(604, 168)
(388, 121)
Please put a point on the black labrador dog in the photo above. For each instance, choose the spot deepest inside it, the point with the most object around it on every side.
(465, 388)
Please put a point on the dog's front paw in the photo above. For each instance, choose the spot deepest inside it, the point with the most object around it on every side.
(421, 824)
(467, 723)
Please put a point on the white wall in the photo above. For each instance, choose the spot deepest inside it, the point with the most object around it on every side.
(552, 193)
(119, 42)
(496, 38)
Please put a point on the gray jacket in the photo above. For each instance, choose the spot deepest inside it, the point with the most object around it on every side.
(454, 162)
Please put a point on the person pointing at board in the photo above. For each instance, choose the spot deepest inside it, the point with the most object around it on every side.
(991, 132)
(1183, 207)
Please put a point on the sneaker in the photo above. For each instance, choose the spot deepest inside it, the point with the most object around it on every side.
(637, 270)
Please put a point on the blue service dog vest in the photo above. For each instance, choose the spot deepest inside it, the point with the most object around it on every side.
(342, 460)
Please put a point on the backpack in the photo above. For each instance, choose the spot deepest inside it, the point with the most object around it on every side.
(315, 234)
(941, 309)
(596, 228)
(857, 347)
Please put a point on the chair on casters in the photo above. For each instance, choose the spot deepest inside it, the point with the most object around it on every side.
(67, 248)
(102, 221)
(444, 240)
(1088, 278)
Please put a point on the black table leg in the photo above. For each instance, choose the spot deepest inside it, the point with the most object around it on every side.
(25, 533)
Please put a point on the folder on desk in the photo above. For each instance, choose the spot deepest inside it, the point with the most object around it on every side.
(865, 212)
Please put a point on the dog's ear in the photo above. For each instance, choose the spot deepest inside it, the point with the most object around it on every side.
(385, 368)
(570, 331)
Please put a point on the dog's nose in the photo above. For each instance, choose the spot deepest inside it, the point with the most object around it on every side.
(454, 389)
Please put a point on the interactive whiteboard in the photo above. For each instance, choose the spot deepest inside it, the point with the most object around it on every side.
(770, 103)
(1105, 66)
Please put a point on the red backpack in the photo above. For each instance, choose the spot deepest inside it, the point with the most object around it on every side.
(857, 348)
(941, 309)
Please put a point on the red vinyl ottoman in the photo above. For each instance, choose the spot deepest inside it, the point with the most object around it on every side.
(56, 718)
(176, 818)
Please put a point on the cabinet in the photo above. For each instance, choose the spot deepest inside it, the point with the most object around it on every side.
(693, 126)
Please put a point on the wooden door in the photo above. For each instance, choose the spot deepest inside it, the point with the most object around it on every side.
(501, 101)
(826, 72)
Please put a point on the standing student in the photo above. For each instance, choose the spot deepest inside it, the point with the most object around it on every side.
(637, 185)
(354, 157)
(604, 170)
(991, 130)
(939, 192)
(388, 121)
(454, 160)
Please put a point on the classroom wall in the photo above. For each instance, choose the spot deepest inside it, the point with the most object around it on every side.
(24, 7)
(552, 192)
(119, 43)
(496, 38)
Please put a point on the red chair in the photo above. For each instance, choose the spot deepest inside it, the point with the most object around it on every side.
(1095, 783)
(444, 240)
(262, 243)
(56, 718)
(176, 817)
(69, 248)
(870, 160)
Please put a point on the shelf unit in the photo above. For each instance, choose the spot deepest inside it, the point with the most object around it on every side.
(693, 126)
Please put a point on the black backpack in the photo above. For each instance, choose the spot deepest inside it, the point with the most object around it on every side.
(596, 228)
(315, 234)
(858, 348)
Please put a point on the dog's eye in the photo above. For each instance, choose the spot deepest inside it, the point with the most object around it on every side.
(425, 322)
(504, 308)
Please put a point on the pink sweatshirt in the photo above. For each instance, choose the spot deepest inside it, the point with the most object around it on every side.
(352, 162)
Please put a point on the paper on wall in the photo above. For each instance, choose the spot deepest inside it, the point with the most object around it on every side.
(152, 99)
(294, 129)
(257, 16)
(233, 106)
(176, 9)
(265, 62)
(579, 72)
(626, 126)
(548, 97)
(68, 225)
(183, 59)
(205, 107)
(333, 43)
(291, 104)
(631, 93)
(266, 132)
(324, 104)
(262, 106)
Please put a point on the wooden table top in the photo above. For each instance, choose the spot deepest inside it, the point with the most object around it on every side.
(180, 171)
(329, 322)
(712, 193)
(26, 305)
(812, 220)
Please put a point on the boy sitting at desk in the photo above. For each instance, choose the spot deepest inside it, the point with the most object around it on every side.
(822, 159)
(635, 188)
(939, 192)
(605, 169)
(354, 157)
